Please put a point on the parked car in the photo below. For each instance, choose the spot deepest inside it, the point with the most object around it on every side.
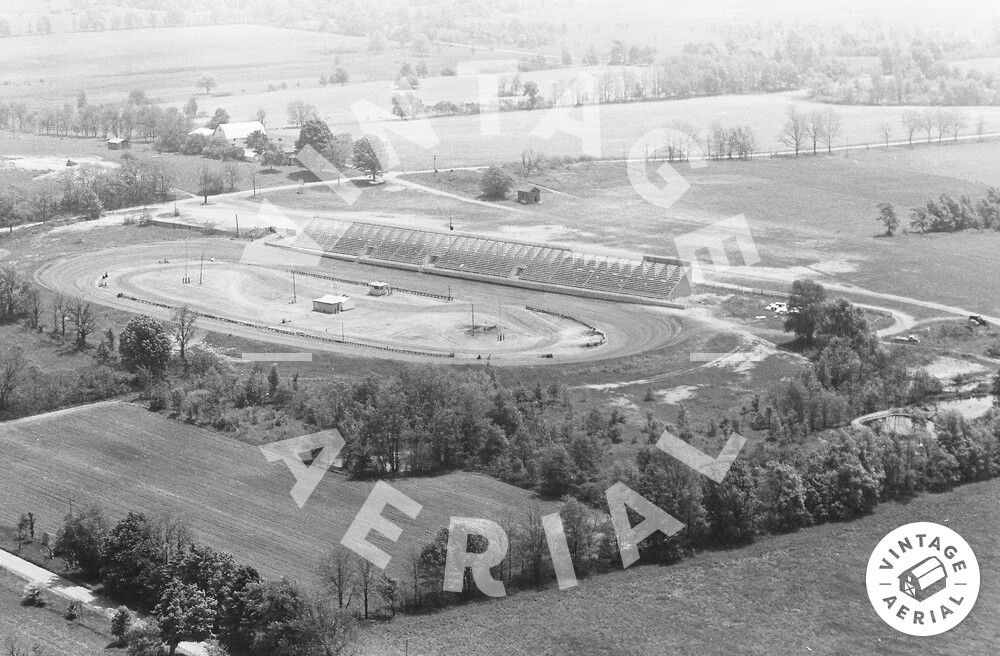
(780, 308)
(978, 320)
(909, 339)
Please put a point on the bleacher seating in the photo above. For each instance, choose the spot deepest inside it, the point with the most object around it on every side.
(493, 258)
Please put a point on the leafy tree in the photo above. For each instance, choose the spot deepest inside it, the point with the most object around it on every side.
(206, 81)
(143, 343)
(300, 112)
(377, 42)
(368, 154)
(388, 590)
(316, 133)
(340, 76)
(257, 141)
(783, 498)
(184, 613)
(805, 306)
(120, 623)
(220, 117)
(495, 183)
(556, 471)
(132, 558)
(887, 216)
(79, 540)
(273, 155)
(732, 507)
(191, 107)
(13, 367)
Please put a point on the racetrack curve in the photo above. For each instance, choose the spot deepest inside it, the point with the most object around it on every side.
(629, 329)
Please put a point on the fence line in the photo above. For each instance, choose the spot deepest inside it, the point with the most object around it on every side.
(365, 284)
(568, 318)
(293, 333)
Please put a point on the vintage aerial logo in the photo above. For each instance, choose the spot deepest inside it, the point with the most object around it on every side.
(923, 579)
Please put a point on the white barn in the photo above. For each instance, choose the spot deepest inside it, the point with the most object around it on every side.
(237, 133)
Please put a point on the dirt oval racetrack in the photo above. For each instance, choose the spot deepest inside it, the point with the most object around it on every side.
(420, 328)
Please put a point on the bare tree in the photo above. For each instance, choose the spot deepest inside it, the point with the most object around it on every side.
(831, 128)
(233, 174)
(530, 160)
(254, 174)
(981, 127)
(885, 130)
(795, 131)
(367, 577)
(943, 119)
(32, 301)
(912, 123)
(337, 574)
(928, 121)
(59, 314)
(207, 182)
(12, 367)
(83, 318)
(185, 318)
(816, 127)
(959, 121)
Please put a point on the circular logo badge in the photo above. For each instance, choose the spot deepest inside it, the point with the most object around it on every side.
(923, 579)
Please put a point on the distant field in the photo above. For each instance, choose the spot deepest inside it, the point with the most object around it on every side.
(794, 594)
(462, 142)
(808, 212)
(125, 458)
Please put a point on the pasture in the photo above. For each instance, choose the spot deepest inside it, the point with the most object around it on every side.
(124, 458)
(793, 594)
(810, 216)
(46, 628)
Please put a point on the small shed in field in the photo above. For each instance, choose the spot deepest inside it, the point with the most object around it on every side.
(924, 579)
(528, 194)
(333, 304)
(119, 144)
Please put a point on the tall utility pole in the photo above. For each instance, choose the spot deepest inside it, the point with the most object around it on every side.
(201, 267)
(237, 226)
(294, 297)
(473, 319)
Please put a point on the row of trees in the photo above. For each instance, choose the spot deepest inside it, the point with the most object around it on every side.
(193, 592)
(88, 191)
(133, 118)
(947, 214)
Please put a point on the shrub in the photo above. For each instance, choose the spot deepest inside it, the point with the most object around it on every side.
(32, 595)
(495, 183)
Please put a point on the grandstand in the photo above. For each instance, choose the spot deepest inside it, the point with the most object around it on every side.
(531, 265)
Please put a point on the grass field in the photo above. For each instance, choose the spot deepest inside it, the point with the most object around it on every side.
(45, 628)
(794, 594)
(124, 458)
(815, 213)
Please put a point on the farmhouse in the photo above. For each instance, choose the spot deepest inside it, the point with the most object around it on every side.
(528, 194)
(119, 144)
(333, 304)
(924, 579)
(237, 133)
